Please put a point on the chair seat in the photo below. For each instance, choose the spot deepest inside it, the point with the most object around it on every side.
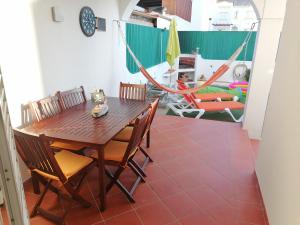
(67, 146)
(113, 151)
(125, 134)
(69, 163)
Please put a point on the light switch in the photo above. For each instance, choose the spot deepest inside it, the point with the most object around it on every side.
(57, 14)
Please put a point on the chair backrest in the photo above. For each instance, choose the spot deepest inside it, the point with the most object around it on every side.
(154, 106)
(46, 107)
(137, 134)
(35, 151)
(133, 91)
(27, 115)
(70, 98)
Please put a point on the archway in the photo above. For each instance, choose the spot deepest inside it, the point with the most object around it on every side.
(271, 15)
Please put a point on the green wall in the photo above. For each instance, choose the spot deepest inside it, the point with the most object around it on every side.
(216, 45)
(149, 44)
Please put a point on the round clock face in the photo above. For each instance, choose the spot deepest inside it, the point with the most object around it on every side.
(87, 21)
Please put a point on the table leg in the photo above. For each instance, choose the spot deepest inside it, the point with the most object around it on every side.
(102, 186)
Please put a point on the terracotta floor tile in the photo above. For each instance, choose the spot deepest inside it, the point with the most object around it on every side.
(197, 219)
(188, 180)
(155, 173)
(144, 195)
(83, 216)
(181, 205)
(164, 188)
(173, 167)
(38, 220)
(129, 218)
(223, 214)
(116, 204)
(155, 214)
(248, 194)
(174, 223)
(250, 214)
(205, 197)
(4, 215)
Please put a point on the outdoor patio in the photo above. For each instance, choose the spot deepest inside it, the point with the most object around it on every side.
(203, 174)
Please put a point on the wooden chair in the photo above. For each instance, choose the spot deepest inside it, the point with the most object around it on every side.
(126, 133)
(65, 167)
(46, 108)
(120, 155)
(70, 98)
(132, 91)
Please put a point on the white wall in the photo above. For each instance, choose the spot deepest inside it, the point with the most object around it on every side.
(263, 66)
(278, 166)
(208, 67)
(39, 56)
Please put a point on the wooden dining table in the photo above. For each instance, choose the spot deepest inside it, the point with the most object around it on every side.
(76, 125)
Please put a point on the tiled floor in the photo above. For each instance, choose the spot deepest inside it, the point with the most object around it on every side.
(203, 174)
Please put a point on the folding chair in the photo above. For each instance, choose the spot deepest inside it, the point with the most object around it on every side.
(65, 167)
(127, 132)
(120, 154)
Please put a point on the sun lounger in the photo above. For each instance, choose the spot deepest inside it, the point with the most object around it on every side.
(201, 107)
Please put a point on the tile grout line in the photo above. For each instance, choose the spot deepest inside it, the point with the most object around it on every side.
(161, 201)
(95, 201)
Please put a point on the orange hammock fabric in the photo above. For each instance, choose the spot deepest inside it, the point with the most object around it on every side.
(223, 69)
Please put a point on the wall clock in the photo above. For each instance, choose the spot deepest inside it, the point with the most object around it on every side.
(87, 21)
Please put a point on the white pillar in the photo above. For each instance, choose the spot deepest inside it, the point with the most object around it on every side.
(263, 66)
(278, 167)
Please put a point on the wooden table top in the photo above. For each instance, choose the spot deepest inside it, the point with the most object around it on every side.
(78, 125)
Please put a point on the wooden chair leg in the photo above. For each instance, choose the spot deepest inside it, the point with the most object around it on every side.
(115, 180)
(35, 183)
(148, 139)
(138, 168)
(56, 219)
(136, 171)
(76, 196)
(146, 154)
(38, 203)
(43, 181)
(114, 177)
(38, 210)
(125, 191)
